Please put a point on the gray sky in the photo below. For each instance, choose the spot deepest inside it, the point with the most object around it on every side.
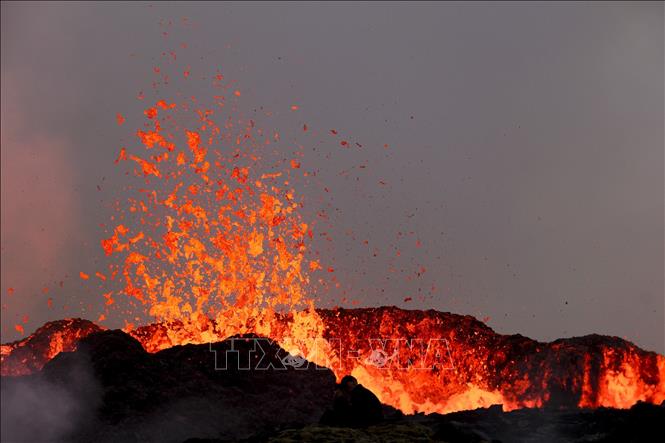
(526, 148)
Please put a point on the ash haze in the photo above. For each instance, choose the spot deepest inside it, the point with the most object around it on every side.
(524, 168)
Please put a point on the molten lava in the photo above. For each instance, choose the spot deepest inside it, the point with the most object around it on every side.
(208, 233)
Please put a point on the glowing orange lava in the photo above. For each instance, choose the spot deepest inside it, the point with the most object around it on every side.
(213, 232)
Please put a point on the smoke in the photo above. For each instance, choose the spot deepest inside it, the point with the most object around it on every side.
(49, 407)
(40, 209)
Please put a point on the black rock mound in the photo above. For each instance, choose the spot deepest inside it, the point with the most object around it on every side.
(241, 387)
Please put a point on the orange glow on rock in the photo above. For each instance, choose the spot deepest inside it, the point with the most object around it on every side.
(474, 367)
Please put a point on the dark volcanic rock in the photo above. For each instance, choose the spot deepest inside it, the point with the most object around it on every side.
(179, 392)
(641, 423)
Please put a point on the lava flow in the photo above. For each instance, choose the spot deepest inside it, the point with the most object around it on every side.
(476, 368)
(212, 243)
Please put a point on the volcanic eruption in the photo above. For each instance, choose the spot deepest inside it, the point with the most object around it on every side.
(211, 242)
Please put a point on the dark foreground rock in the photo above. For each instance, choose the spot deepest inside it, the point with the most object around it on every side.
(111, 389)
(642, 423)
